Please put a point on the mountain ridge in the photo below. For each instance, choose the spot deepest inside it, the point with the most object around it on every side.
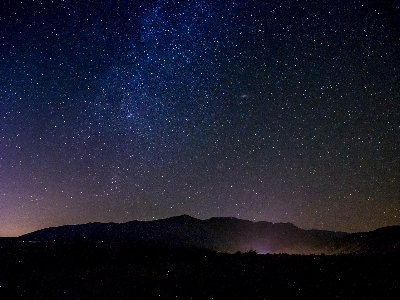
(223, 234)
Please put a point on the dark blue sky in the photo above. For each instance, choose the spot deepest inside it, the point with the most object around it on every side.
(284, 111)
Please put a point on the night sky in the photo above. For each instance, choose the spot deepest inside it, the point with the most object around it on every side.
(281, 111)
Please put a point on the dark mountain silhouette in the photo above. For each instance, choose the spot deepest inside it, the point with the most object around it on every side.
(382, 240)
(222, 235)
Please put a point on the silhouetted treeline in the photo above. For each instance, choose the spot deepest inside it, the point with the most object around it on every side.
(92, 271)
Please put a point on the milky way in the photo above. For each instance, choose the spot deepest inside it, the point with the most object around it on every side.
(284, 111)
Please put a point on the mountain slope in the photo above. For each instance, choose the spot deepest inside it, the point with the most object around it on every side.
(218, 234)
(381, 240)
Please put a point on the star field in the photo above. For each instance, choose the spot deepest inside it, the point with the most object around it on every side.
(283, 111)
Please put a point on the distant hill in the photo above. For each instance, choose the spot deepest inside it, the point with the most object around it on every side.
(382, 240)
(222, 235)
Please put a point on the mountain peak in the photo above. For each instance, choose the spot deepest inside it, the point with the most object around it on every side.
(183, 217)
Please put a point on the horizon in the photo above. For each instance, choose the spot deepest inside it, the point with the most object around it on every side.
(184, 215)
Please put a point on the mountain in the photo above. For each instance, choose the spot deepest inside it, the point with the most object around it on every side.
(217, 234)
(222, 235)
(382, 240)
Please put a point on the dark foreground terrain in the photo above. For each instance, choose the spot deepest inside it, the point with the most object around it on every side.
(82, 271)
